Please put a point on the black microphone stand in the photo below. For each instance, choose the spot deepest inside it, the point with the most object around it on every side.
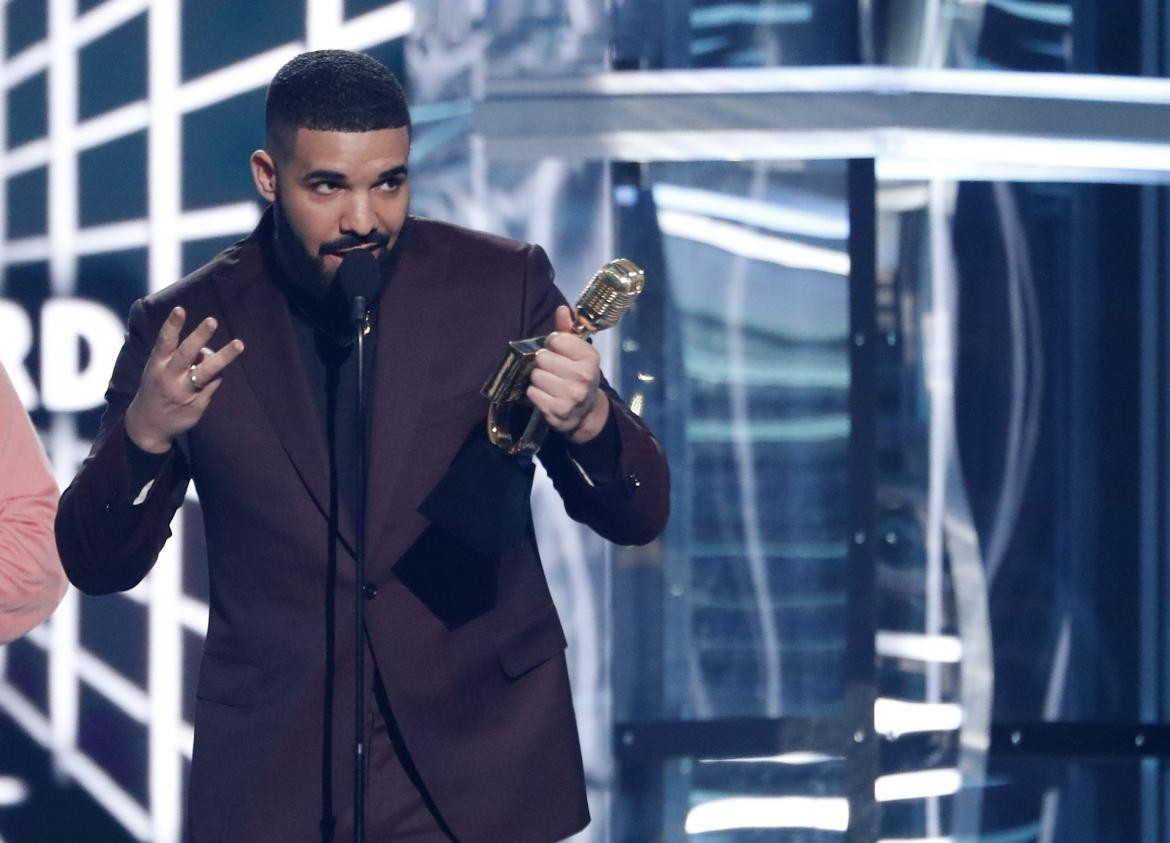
(359, 614)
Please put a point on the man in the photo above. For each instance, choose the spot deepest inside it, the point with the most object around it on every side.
(31, 580)
(470, 729)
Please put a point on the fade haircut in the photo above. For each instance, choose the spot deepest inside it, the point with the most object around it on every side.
(331, 91)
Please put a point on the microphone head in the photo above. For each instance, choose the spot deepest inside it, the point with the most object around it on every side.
(609, 294)
(359, 275)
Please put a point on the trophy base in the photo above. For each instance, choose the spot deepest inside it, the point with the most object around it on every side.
(516, 428)
(513, 424)
(511, 376)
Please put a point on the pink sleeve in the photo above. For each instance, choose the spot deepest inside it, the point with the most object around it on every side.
(32, 581)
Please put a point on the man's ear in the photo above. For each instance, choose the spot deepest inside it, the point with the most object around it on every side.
(264, 174)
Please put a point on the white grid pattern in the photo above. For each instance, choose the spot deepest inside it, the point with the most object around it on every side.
(159, 707)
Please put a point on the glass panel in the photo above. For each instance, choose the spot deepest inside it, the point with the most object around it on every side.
(1035, 35)
(716, 33)
(1035, 798)
(797, 798)
(985, 34)
(1029, 798)
(1020, 333)
(755, 369)
(1016, 384)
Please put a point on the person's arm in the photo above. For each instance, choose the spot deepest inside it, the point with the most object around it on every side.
(108, 541)
(31, 580)
(602, 459)
(114, 518)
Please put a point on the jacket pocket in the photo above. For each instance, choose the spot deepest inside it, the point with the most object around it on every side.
(531, 644)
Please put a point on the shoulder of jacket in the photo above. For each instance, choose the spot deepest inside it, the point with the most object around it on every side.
(239, 259)
(463, 239)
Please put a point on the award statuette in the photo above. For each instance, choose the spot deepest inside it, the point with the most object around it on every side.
(513, 423)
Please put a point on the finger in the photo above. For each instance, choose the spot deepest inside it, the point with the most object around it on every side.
(565, 408)
(556, 363)
(579, 376)
(168, 334)
(552, 408)
(571, 346)
(203, 396)
(214, 363)
(188, 349)
(571, 391)
(563, 319)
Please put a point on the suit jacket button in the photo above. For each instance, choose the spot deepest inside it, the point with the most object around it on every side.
(634, 481)
(370, 591)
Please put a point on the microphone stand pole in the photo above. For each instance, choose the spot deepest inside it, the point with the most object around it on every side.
(359, 614)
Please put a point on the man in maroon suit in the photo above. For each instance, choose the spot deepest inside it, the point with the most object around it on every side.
(470, 731)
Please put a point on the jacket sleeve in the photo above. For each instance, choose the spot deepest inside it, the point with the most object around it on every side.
(31, 580)
(109, 541)
(631, 506)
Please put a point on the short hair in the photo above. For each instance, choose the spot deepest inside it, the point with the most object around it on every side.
(332, 91)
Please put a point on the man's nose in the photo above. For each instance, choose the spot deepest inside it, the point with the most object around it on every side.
(358, 218)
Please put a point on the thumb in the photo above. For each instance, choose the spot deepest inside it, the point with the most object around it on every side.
(564, 319)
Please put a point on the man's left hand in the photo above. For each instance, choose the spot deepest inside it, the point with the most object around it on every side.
(564, 383)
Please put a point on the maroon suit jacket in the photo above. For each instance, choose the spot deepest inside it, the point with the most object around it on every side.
(482, 703)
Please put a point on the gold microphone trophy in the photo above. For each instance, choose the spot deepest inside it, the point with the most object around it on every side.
(513, 424)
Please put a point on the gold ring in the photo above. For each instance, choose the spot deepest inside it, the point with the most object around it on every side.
(194, 378)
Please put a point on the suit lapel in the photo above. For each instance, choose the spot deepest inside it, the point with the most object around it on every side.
(407, 327)
(256, 312)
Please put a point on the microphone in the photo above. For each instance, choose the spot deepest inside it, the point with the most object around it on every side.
(359, 280)
(607, 296)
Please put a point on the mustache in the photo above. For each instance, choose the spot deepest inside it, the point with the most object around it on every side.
(375, 239)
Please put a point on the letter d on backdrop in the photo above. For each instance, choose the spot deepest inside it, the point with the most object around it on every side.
(65, 325)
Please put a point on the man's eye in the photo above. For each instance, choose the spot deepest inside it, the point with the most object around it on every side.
(390, 185)
(325, 187)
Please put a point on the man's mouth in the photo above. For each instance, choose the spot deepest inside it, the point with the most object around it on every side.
(365, 247)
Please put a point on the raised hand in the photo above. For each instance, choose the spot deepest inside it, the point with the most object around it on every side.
(564, 383)
(178, 383)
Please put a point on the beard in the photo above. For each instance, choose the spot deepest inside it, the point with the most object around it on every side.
(309, 284)
(307, 270)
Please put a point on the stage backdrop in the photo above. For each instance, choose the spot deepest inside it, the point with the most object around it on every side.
(918, 428)
(127, 130)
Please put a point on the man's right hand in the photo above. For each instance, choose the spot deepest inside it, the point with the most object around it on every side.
(178, 383)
